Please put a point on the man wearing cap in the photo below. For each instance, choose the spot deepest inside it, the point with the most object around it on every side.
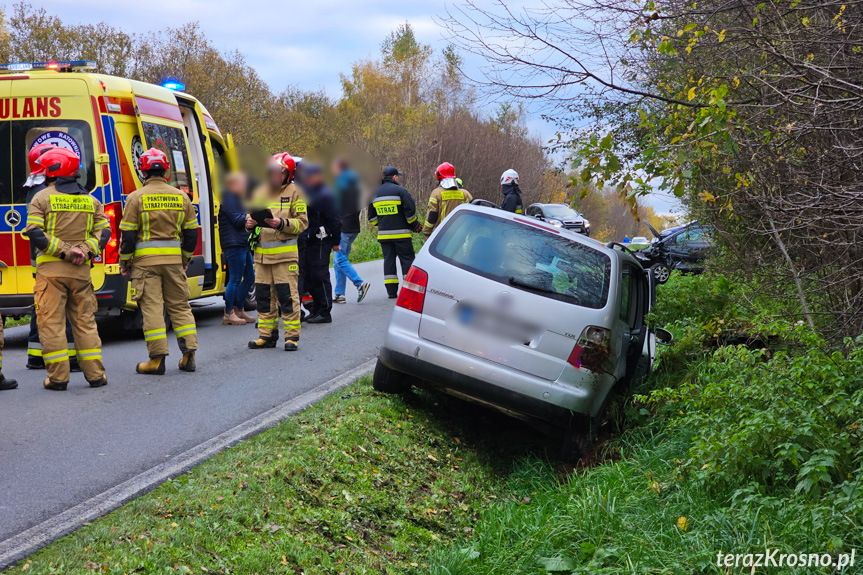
(393, 212)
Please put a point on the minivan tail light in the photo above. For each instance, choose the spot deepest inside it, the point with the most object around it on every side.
(591, 350)
(413, 293)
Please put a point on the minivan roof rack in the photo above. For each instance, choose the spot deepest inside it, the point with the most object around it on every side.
(59, 65)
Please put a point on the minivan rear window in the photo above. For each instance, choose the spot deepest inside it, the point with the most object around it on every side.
(526, 258)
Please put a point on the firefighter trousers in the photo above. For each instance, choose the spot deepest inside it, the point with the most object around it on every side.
(276, 291)
(34, 346)
(58, 299)
(158, 288)
(403, 250)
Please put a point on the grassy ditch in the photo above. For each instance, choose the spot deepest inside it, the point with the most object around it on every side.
(359, 483)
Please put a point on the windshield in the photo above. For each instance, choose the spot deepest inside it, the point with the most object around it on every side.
(21, 135)
(560, 212)
(525, 258)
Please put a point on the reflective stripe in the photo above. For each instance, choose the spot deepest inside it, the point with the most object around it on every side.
(193, 225)
(42, 258)
(158, 248)
(395, 281)
(89, 354)
(185, 330)
(412, 219)
(378, 203)
(128, 226)
(394, 234)
(291, 324)
(71, 350)
(56, 356)
(125, 256)
(187, 254)
(396, 199)
(277, 247)
(154, 334)
(34, 349)
(95, 244)
(101, 226)
(35, 220)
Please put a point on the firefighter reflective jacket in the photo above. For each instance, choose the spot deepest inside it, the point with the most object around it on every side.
(159, 226)
(276, 246)
(441, 203)
(58, 221)
(393, 211)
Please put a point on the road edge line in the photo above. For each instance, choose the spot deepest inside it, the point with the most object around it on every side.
(31, 540)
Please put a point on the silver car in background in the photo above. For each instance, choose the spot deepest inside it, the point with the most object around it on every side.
(517, 314)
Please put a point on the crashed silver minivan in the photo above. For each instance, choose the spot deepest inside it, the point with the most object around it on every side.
(519, 315)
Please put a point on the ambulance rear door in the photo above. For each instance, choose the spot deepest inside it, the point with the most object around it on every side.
(9, 222)
(56, 110)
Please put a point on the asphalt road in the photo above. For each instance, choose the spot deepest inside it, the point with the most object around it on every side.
(58, 449)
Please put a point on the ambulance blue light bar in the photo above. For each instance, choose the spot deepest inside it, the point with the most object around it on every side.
(174, 85)
(62, 66)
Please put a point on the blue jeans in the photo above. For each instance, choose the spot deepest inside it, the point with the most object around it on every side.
(241, 276)
(344, 269)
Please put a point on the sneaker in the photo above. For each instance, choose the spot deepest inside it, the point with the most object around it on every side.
(339, 299)
(362, 291)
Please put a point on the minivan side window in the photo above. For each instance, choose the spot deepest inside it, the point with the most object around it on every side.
(626, 295)
(172, 141)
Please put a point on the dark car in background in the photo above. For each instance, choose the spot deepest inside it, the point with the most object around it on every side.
(683, 248)
(560, 216)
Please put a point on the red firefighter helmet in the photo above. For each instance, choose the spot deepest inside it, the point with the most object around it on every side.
(33, 157)
(60, 163)
(285, 162)
(154, 159)
(444, 171)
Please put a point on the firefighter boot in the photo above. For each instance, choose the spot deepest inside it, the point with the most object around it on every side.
(35, 362)
(7, 383)
(156, 366)
(54, 385)
(101, 382)
(262, 343)
(188, 361)
(291, 346)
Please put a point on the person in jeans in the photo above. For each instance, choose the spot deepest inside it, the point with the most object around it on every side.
(235, 244)
(347, 188)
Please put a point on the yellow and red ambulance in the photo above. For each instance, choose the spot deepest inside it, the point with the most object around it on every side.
(108, 122)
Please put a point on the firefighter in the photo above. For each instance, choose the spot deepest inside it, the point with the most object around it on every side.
(36, 183)
(275, 254)
(4, 383)
(68, 228)
(160, 232)
(393, 212)
(511, 192)
(446, 197)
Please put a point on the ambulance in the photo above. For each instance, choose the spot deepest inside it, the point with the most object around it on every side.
(108, 122)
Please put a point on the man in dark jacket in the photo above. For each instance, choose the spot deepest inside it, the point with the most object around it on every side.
(348, 193)
(34, 184)
(323, 237)
(393, 212)
(511, 192)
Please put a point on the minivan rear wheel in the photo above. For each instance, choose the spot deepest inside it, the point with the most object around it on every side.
(389, 380)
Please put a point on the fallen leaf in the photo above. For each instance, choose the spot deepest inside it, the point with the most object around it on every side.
(432, 457)
(682, 523)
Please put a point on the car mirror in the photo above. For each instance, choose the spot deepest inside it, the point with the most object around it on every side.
(538, 216)
(663, 336)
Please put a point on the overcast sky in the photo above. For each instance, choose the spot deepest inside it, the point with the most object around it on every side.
(306, 44)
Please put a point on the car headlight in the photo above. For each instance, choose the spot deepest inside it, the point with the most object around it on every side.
(587, 224)
(556, 223)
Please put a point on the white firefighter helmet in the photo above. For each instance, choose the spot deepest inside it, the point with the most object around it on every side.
(509, 177)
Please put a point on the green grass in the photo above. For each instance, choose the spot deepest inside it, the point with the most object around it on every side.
(15, 322)
(359, 483)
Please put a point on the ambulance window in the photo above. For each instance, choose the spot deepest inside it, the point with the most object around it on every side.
(221, 166)
(5, 165)
(172, 141)
(74, 135)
